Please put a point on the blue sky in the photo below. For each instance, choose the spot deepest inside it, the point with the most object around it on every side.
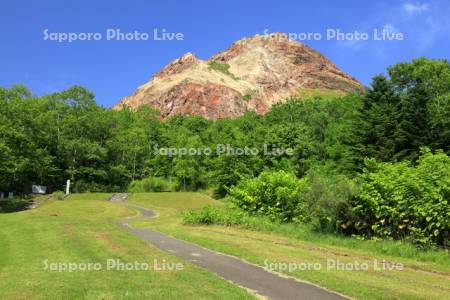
(113, 69)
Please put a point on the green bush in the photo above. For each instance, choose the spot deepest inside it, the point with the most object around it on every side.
(399, 201)
(209, 215)
(273, 194)
(327, 201)
(14, 204)
(151, 184)
(59, 195)
(227, 216)
(388, 200)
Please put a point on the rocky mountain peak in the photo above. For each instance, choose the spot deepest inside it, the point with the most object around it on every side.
(178, 65)
(252, 74)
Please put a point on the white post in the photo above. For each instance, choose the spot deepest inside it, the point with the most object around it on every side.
(68, 187)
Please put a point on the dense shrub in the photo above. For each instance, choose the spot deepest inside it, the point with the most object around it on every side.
(227, 216)
(14, 204)
(151, 184)
(400, 201)
(274, 194)
(388, 200)
(214, 215)
(327, 201)
(59, 195)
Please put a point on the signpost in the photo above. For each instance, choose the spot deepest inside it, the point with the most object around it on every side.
(68, 187)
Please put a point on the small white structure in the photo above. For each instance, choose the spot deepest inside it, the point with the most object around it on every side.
(39, 189)
(68, 187)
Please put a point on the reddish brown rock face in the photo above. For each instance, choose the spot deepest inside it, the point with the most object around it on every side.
(210, 100)
(253, 74)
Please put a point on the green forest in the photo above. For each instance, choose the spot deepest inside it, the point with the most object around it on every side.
(375, 165)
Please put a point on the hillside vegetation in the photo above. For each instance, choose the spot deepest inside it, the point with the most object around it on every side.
(373, 165)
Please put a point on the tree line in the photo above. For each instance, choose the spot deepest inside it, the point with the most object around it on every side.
(65, 135)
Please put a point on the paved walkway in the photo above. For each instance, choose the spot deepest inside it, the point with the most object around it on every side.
(252, 277)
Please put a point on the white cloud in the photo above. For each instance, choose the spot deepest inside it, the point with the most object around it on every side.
(415, 8)
(423, 24)
(375, 47)
(389, 28)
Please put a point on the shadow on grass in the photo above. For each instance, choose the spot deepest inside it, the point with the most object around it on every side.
(15, 204)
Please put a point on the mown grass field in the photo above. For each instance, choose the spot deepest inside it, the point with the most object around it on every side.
(425, 275)
(82, 229)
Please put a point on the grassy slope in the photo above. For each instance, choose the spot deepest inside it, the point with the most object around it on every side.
(424, 277)
(81, 229)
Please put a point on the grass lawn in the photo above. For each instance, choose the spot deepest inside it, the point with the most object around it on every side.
(425, 275)
(81, 229)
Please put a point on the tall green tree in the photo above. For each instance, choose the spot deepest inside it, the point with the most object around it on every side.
(407, 110)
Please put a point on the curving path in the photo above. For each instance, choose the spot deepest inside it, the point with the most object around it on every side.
(252, 277)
